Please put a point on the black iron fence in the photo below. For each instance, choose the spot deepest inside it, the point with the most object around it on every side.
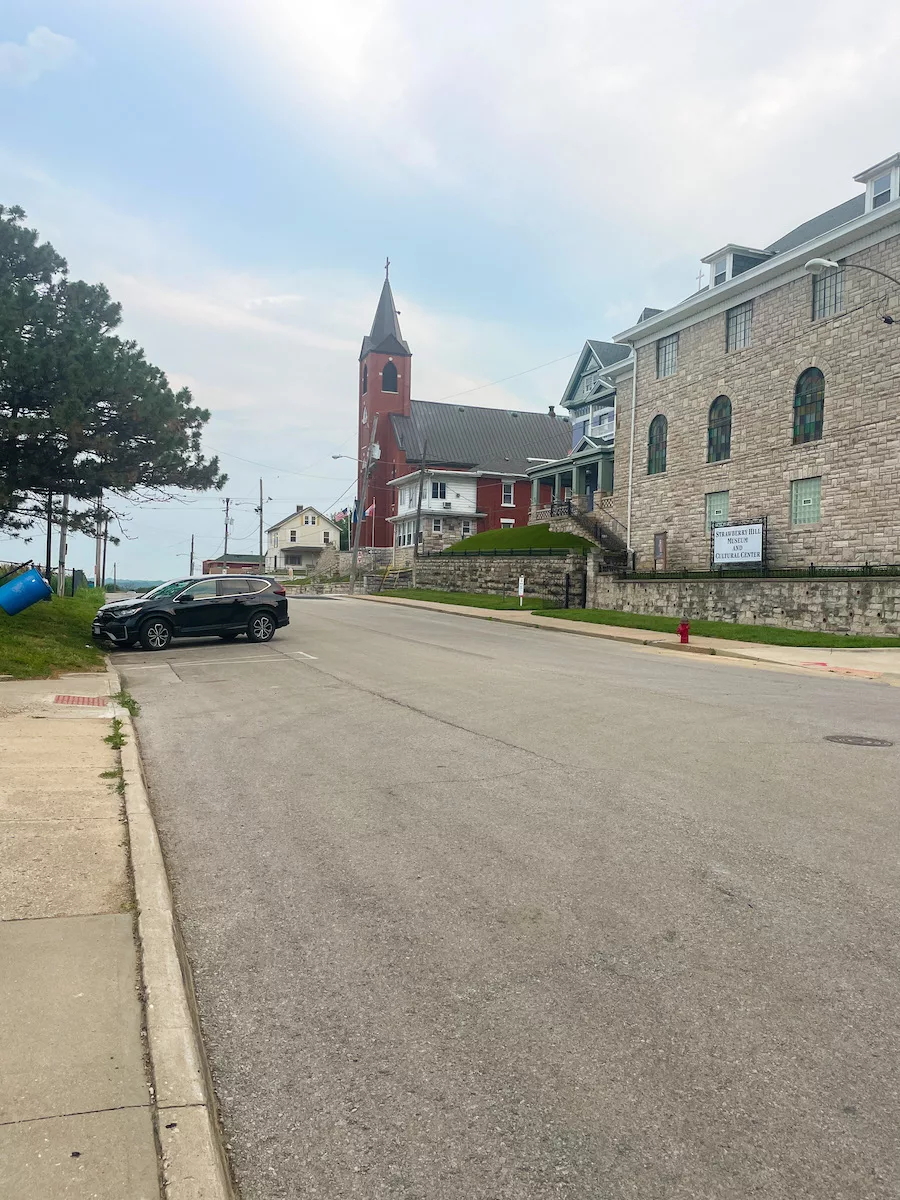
(810, 571)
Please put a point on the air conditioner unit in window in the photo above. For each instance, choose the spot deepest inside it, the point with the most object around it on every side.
(448, 504)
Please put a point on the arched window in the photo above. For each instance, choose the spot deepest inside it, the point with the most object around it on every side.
(718, 437)
(365, 378)
(389, 378)
(809, 406)
(656, 445)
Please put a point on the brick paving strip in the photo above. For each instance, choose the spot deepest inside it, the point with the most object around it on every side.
(103, 1085)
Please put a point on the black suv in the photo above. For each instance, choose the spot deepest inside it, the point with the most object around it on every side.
(227, 605)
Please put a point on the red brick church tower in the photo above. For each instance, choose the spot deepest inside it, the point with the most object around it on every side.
(385, 363)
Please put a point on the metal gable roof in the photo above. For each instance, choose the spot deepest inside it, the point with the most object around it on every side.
(495, 440)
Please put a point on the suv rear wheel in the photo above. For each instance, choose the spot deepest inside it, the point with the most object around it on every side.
(156, 634)
(261, 627)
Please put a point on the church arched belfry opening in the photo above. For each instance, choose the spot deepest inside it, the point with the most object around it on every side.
(389, 378)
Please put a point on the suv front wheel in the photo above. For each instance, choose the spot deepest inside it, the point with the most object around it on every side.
(156, 634)
(260, 627)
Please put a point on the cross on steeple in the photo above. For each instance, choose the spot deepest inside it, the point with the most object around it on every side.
(387, 268)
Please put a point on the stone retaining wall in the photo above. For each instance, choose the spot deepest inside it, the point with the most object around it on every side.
(544, 577)
(866, 605)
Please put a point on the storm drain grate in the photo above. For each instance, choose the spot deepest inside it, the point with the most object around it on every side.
(853, 739)
(83, 701)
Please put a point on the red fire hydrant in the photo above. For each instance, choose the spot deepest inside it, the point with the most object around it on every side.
(683, 630)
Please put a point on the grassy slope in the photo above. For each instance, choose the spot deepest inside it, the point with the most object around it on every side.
(768, 634)
(521, 537)
(51, 638)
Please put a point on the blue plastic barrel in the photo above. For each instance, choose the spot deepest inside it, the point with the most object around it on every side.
(23, 591)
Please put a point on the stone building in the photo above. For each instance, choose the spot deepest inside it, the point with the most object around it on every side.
(772, 393)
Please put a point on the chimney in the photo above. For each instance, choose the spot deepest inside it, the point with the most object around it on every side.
(299, 508)
(552, 410)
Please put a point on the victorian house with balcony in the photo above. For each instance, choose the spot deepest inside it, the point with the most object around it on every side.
(585, 472)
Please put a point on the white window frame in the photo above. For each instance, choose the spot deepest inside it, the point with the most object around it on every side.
(275, 540)
(326, 537)
(465, 529)
(734, 321)
(511, 502)
(292, 535)
(725, 263)
(892, 194)
(438, 490)
(437, 524)
(662, 347)
(720, 517)
(828, 294)
(798, 502)
(507, 522)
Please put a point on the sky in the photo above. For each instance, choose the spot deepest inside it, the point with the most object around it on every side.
(537, 170)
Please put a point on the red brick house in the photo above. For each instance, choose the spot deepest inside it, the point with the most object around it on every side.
(476, 459)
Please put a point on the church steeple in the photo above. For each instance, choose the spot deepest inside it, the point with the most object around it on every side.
(385, 337)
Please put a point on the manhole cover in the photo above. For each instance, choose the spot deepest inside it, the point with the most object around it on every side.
(853, 739)
(86, 701)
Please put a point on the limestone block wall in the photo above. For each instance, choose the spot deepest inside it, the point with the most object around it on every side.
(857, 457)
(864, 605)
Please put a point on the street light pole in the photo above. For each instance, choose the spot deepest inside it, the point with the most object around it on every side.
(364, 495)
(816, 266)
(419, 514)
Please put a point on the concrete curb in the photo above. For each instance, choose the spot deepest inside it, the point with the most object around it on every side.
(194, 1165)
(741, 652)
(562, 626)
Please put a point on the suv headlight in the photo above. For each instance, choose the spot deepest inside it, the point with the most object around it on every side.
(128, 612)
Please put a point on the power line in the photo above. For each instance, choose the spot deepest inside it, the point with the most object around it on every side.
(506, 378)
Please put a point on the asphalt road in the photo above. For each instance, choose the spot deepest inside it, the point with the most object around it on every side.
(478, 911)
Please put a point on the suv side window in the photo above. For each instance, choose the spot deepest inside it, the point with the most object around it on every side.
(202, 590)
(235, 586)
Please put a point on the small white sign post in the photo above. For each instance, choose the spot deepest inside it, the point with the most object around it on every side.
(521, 589)
(738, 543)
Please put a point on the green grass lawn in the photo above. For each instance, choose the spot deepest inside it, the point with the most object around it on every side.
(521, 537)
(473, 599)
(51, 638)
(770, 635)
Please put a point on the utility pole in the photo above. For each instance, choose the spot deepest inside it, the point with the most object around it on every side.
(364, 495)
(419, 513)
(191, 571)
(261, 561)
(47, 569)
(63, 533)
(115, 579)
(98, 543)
(105, 541)
(225, 551)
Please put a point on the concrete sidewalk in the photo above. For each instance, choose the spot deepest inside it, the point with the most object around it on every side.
(882, 665)
(79, 1092)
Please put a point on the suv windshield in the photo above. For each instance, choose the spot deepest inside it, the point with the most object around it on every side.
(166, 589)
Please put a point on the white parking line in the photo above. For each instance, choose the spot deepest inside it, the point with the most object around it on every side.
(201, 662)
(303, 654)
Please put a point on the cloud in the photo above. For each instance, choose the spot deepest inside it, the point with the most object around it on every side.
(42, 51)
(653, 129)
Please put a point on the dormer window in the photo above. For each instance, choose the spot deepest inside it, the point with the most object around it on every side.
(881, 190)
(882, 182)
(732, 261)
(590, 382)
